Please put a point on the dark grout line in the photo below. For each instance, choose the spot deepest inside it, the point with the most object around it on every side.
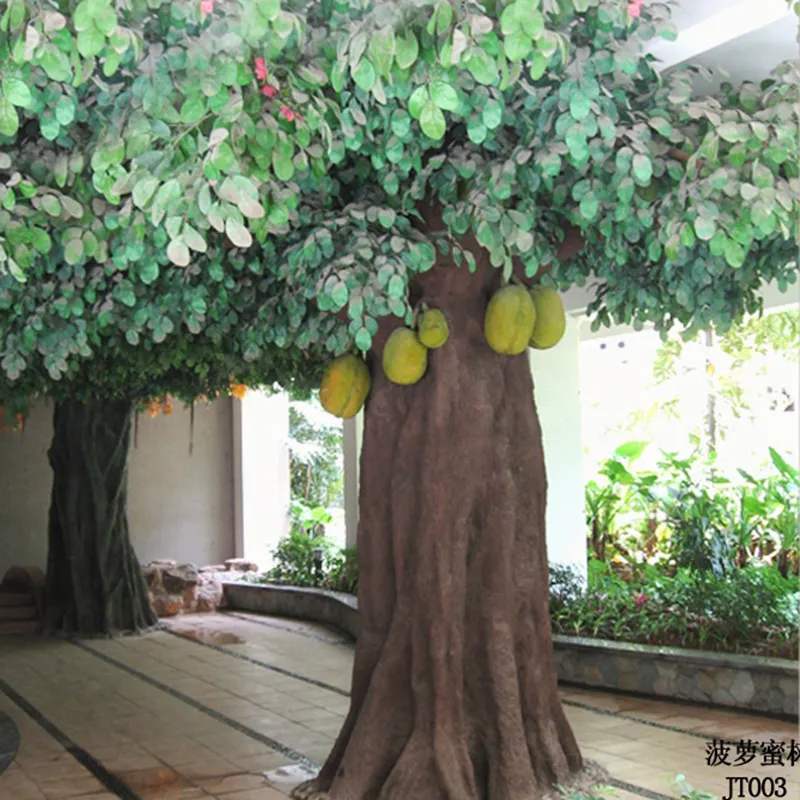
(340, 641)
(280, 670)
(9, 741)
(640, 790)
(272, 744)
(586, 706)
(113, 783)
(607, 712)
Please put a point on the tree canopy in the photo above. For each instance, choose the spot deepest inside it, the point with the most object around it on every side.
(193, 190)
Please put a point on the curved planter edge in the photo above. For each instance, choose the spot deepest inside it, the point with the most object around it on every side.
(765, 685)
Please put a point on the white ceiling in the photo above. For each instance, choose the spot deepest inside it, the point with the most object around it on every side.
(745, 38)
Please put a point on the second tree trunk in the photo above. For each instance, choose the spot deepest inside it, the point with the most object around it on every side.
(94, 580)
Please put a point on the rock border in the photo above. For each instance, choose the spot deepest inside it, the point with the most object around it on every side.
(764, 685)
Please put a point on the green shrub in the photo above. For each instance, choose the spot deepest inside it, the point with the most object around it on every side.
(752, 610)
(295, 564)
(343, 572)
(294, 559)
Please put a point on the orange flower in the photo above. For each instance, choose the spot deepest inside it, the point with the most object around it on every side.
(238, 390)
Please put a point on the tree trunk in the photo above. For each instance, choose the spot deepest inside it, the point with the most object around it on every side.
(94, 580)
(454, 693)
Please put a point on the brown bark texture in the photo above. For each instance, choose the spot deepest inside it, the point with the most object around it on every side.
(454, 693)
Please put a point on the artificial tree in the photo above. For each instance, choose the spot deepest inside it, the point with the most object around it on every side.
(370, 157)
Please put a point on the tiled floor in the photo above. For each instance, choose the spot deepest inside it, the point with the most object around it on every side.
(205, 713)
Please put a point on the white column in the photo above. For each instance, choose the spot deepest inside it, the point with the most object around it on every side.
(261, 474)
(352, 434)
(556, 380)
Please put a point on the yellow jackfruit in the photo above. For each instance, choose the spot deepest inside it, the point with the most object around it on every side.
(433, 331)
(345, 386)
(551, 320)
(509, 322)
(405, 359)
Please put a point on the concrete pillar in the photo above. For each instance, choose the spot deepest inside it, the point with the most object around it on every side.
(262, 491)
(556, 380)
(352, 434)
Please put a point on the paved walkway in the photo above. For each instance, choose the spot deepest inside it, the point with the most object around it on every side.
(203, 711)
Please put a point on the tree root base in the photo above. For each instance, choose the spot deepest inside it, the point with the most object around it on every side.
(310, 790)
(587, 783)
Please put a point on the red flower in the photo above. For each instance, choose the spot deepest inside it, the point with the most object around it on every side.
(641, 599)
(269, 91)
(261, 69)
(207, 7)
(635, 8)
(287, 113)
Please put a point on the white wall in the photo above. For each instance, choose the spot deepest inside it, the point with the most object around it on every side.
(261, 474)
(180, 505)
(556, 380)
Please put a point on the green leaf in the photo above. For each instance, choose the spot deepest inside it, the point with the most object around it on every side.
(418, 100)
(492, 114)
(9, 121)
(432, 121)
(401, 122)
(642, 168)
(539, 64)
(339, 295)
(55, 64)
(17, 92)
(482, 67)
(178, 252)
(477, 130)
(364, 75)
(237, 233)
(396, 288)
(65, 110)
(406, 50)
(363, 339)
(517, 46)
(444, 95)
(282, 166)
(193, 108)
(51, 206)
(631, 450)
(748, 191)
(589, 206)
(90, 42)
(734, 253)
(144, 190)
(148, 272)
(705, 228)
(194, 239)
(580, 106)
(73, 251)
(105, 20)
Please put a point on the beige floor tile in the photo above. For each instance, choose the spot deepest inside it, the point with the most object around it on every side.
(140, 731)
(255, 794)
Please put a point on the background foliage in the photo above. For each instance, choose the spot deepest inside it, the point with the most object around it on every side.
(686, 515)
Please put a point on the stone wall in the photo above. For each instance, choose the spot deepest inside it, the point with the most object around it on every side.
(766, 685)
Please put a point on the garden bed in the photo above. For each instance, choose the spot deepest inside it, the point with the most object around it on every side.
(753, 683)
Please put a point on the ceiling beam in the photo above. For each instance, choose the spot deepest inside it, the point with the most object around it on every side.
(736, 20)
